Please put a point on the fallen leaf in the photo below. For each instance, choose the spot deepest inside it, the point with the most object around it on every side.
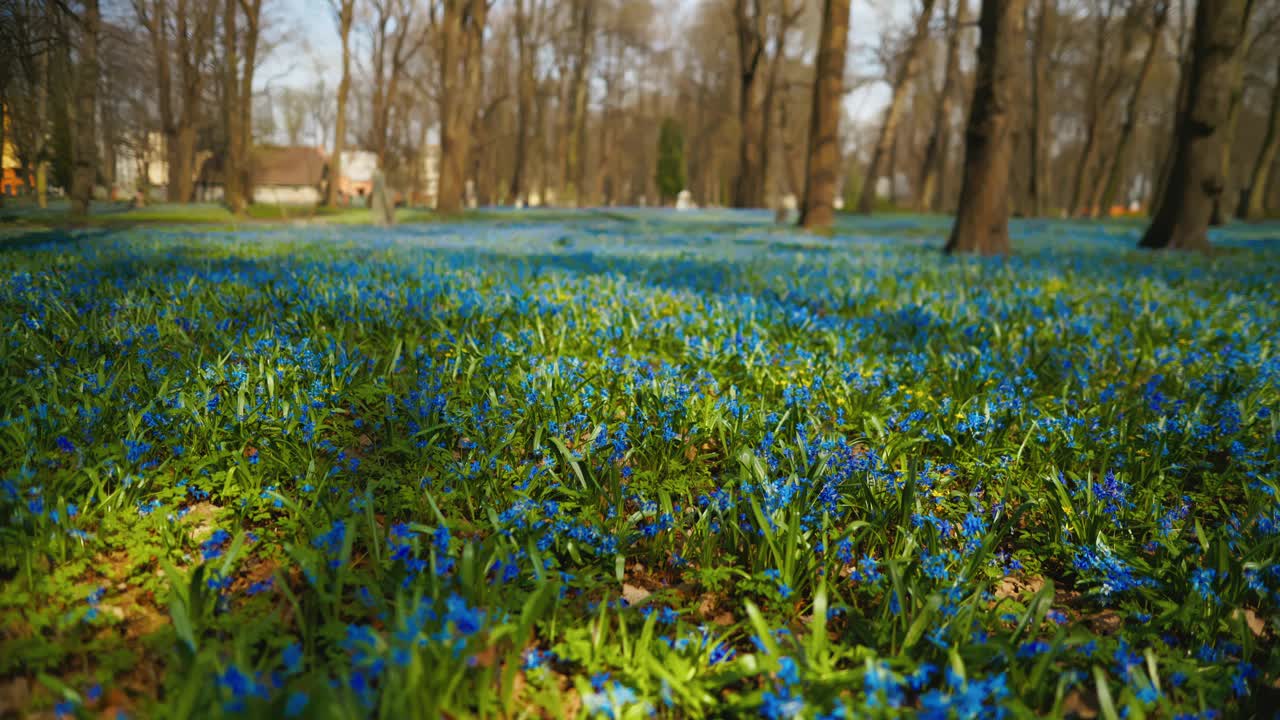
(1079, 705)
(634, 595)
(1256, 624)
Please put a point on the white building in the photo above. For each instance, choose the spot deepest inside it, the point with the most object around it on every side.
(143, 165)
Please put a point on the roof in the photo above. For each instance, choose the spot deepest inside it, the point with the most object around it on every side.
(290, 166)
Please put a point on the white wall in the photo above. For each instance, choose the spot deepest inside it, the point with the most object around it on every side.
(286, 195)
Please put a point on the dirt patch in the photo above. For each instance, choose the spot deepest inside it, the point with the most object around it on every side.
(201, 516)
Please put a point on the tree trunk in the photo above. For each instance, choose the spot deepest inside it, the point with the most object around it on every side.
(935, 152)
(191, 43)
(1195, 178)
(252, 10)
(155, 22)
(1260, 179)
(1096, 106)
(893, 114)
(982, 219)
(748, 187)
(817, 211)
(544, 148)
(1039, 179)
(461, 31)
(1165, 168)
(524, 101)
(86, 150)
(42, 115)
(783, 22)
(158, 27)
(1115, 163)
(1219, 214)
(232, 161)
(576, 157)
(346, 14)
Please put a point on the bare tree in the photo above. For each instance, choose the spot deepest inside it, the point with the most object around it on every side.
(1038, 180)
(250, 41)
(1098, 99)
(459, 31)
(154, 17)
(86, 150)
(907, 68)
(1260, 180)
(1114, 163)
(233, 160)
(194, 22)
(817, 209)
(26, 34)
(982, 219)
(749, 22)
(934, 168)
(576, 143)
(395, 40)
(1195, 179)
(344, 11)
(528, 22)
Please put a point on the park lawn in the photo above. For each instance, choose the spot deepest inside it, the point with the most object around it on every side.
(638, 463)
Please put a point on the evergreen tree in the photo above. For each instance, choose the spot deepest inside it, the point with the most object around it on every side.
(671, 178)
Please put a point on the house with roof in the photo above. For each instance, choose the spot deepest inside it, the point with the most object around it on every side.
(289, 175)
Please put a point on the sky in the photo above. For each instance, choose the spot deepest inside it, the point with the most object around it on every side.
(314, 48)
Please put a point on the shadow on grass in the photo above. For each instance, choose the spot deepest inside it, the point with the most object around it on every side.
(53, 237)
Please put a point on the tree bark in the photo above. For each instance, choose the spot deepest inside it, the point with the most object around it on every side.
(1220, 215)
(232, 195)
(192, 44)
(576, 143)
(346, 15)
(1233, 119)
(524, 100)
(937, 149)
(817, 210)
(748, 187)
(86, 150)
(1115, 163)
(252, 10)
(1255, 204)
(1165, 168)
(1039, 190)
(893, 114)
(786, 18)
(156, 23)
(982, 219)
(42, 115)
(1096, 105)
(1195, 178)
(460, 34)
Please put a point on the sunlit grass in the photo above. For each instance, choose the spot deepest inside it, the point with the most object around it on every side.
(634, 463)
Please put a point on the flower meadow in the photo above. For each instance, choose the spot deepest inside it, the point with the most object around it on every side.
(628, 467)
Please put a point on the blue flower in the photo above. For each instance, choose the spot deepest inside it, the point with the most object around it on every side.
(1035, 648)
(882, 687)
(466, 621)
(1202, 581)
(297, 703)
(293, 658)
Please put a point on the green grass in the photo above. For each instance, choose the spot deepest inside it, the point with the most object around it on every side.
(635, 463)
